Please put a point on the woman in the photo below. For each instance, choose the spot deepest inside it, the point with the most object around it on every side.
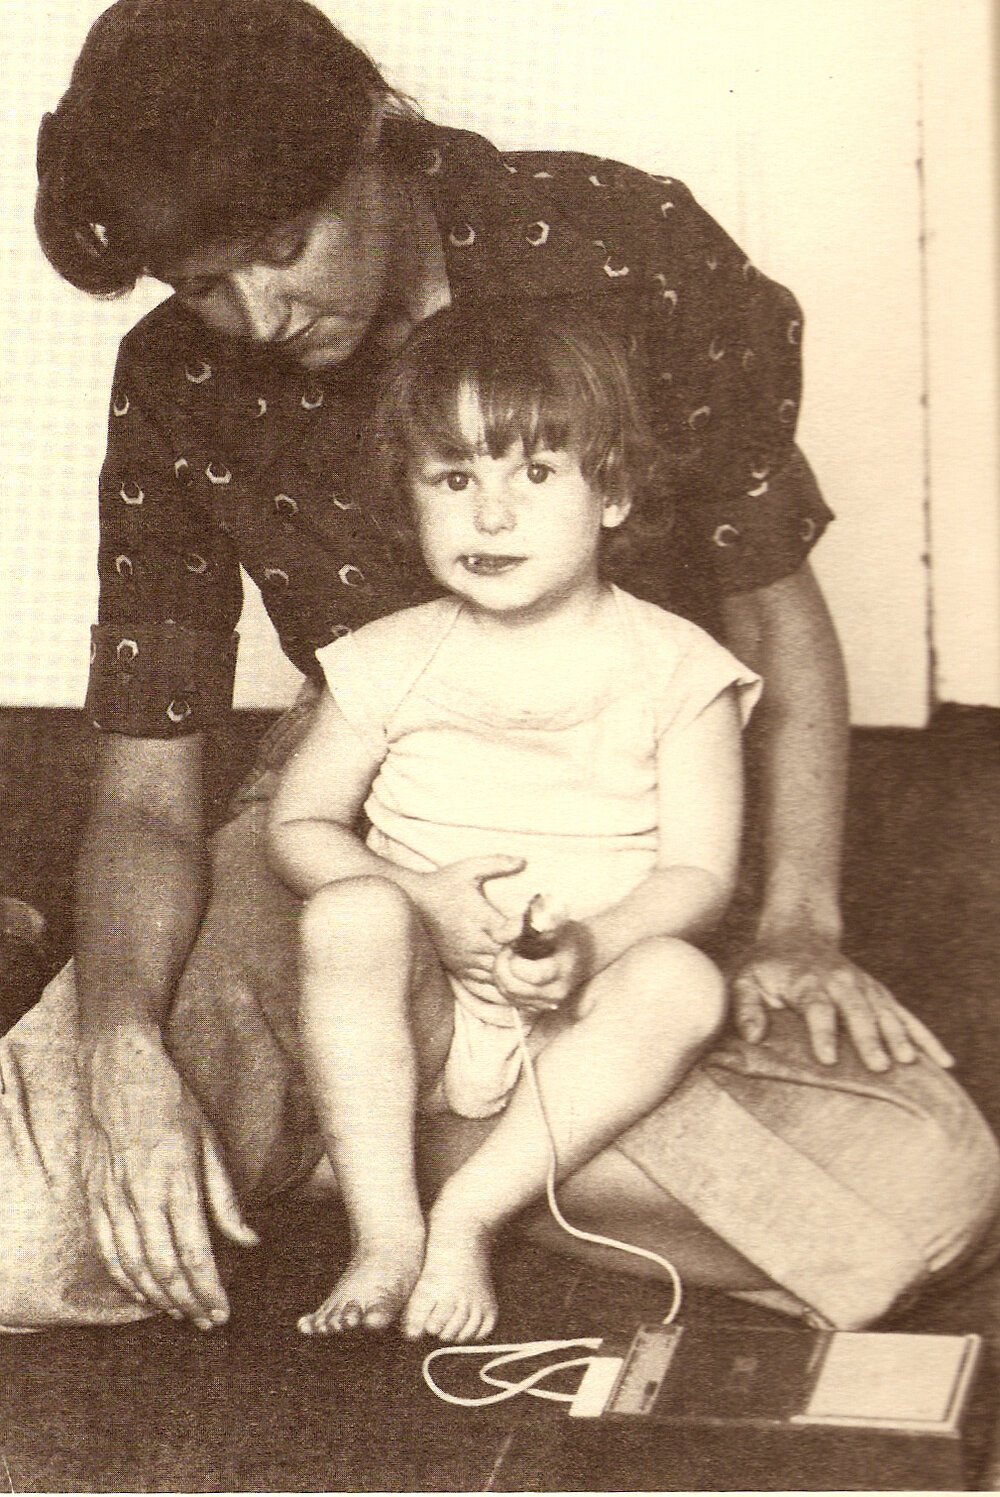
(307, 218)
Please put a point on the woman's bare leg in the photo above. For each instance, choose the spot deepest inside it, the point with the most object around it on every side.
(641, 1024)
(376, 1014)
(233, 1025)
(612, 1197)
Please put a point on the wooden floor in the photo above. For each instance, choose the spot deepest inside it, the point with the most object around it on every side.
(257, 1407)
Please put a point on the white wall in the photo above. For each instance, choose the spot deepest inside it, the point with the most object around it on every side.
(796, 123)
(963, 325)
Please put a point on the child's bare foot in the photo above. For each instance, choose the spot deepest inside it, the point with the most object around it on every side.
(453, 1298)
(372, 1291)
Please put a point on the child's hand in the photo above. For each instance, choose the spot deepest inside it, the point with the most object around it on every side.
(467, 930)
(539, 986)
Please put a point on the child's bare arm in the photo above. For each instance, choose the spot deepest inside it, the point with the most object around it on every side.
(311, 842)
(701, 800)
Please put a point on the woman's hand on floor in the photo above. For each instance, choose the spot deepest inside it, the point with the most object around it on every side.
(832, 994)
(153, 1174)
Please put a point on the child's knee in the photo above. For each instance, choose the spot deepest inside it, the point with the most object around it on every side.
(677, 986)
(353, 913)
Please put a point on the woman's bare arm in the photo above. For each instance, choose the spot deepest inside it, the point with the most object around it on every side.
(785, 632)
(152, 1169)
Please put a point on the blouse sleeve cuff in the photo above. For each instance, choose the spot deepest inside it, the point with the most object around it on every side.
(754, 543)
(159, 681)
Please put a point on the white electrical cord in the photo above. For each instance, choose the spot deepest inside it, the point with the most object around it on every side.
(520, 1351)
(514, 1351)
(550, 1189)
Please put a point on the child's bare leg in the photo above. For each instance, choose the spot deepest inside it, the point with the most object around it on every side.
(641, 1024)
(376, 1010)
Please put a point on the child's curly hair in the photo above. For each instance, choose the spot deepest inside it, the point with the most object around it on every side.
(546, 374)
(188, 121)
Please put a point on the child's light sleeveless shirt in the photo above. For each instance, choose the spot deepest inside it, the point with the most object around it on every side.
(573, 793)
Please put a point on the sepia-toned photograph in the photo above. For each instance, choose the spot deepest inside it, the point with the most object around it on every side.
(499, 746)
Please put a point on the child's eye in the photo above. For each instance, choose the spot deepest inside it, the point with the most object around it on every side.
(457, 481)
(538, 472)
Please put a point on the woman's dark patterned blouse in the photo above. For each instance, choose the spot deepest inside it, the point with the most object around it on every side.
(219, 456)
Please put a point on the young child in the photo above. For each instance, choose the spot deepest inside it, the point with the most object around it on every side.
(535, 730)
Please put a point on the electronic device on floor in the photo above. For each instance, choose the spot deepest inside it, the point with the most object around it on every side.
(811, 1408)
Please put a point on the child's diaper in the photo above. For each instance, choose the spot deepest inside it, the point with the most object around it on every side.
(484, 1061)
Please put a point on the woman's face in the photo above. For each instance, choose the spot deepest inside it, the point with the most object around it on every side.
(311, 286)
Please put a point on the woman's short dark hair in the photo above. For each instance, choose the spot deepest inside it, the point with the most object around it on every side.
(546, 374)
(188, 121)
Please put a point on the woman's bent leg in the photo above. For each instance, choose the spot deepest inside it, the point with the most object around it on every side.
(233, 1028)
(848, 1191)
(824, 1191)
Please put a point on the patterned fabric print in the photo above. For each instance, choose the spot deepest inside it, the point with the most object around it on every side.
(714, 342)
(219, 456)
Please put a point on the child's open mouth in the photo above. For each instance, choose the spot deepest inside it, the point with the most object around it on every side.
(490, 566)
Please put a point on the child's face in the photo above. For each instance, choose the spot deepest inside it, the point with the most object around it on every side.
(511, 534)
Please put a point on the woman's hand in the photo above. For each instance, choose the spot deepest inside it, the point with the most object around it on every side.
(466, 929)
(538, 986)
(814, 978)
(153, 1175)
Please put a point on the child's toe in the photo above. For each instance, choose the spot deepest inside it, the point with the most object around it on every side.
(420, 1315)
(454, 1326)
(316, 1324)
(438, 1317)
(349, 1317)
(380, 1315)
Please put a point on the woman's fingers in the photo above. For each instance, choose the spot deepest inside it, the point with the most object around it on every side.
(194, 1274)
(109, 1252)
(164, 1261)
(922, 1036)
(882, 1031)
(160, 1252)
(133, 1255)
(904, 1033)
(749, 1011)
(857, 1002)
(821, 1022)
(889, 1016)
(830, 993)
